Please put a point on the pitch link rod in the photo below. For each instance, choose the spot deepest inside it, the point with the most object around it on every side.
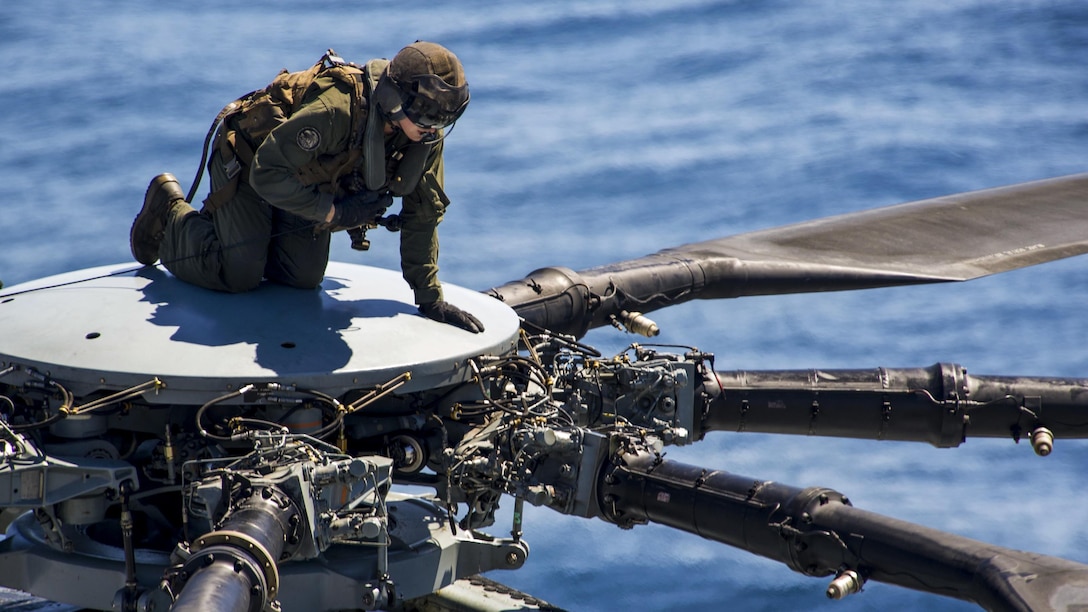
(816, 532)
(941, 404)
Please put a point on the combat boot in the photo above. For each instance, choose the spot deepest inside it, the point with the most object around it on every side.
(149, 227)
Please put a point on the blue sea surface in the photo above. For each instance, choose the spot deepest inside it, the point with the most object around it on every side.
(604, 130)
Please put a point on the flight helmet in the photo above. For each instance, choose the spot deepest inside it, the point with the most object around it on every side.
(424, 82)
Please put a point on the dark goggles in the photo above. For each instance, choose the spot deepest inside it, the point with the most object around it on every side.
(426, 100)
(433, 103)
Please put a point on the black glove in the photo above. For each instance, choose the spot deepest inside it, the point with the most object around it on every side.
(360, 208)
(444, 312)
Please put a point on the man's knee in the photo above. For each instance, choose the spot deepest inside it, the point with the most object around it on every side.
(301, 278)
(299, 263)
(242, 272)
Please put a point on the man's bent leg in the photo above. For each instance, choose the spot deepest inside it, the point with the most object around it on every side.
(225, 250)
(299, 251)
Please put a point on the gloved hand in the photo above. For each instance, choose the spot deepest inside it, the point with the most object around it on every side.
(360, 208)
(444, 312)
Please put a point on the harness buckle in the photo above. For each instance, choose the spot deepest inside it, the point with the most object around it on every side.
(232, 168)
(333, 58)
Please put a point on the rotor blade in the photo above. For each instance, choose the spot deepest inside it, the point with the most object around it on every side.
(951, 238)
(815, 531)
(941, 404)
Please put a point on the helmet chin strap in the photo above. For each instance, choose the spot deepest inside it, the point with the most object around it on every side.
(438, 135)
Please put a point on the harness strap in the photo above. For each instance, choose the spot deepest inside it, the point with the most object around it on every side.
(227, 111)
(237, 158)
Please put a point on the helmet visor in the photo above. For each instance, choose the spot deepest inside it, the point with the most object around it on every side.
(433, 103)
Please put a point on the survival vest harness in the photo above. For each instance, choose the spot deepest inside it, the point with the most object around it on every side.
(241, 127)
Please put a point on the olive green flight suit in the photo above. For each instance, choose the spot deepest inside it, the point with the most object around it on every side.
(271, 228)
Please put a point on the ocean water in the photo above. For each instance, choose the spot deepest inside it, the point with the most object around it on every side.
(606, 130)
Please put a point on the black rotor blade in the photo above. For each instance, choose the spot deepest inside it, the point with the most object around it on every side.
(951, 238)
(815, 531)
(941, 404)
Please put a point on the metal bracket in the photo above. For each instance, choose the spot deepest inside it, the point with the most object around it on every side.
(51, 480)
(954, 406)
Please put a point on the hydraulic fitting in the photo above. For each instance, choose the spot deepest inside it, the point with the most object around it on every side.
(846, 583)
(1042, 441)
